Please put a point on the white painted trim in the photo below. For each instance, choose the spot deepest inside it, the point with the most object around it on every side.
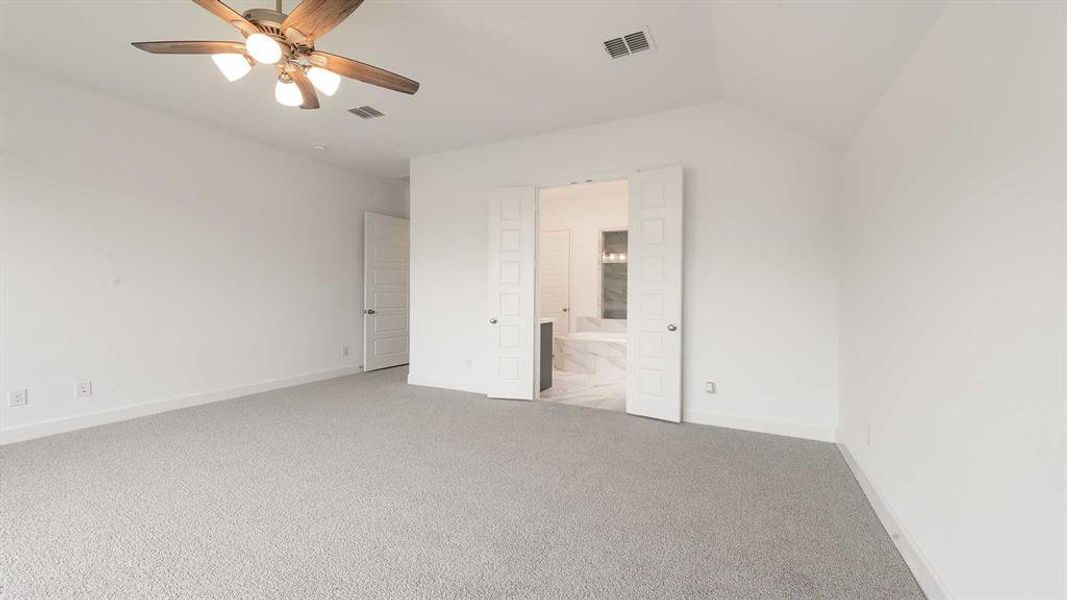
(932, 584)
(602, 177)
(774, 426)
(124, 413)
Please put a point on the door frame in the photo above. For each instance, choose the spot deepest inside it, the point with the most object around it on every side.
(602, 177)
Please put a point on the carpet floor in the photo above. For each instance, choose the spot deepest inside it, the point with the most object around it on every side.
(365, 487)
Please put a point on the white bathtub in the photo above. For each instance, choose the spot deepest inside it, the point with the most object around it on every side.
(601, 354)
(618, 336)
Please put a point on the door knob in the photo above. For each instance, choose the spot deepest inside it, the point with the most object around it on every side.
(492, 321)
(672, 327)
(370, 311)
(565, 309)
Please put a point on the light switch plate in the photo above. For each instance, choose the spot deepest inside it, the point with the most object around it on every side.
(83, 389)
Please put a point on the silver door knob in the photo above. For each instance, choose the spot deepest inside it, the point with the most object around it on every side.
(672, 327)
(492, 321)
(370, 311)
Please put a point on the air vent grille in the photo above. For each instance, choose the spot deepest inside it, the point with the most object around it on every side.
(616, 48)
(628, 44)
(366, 112)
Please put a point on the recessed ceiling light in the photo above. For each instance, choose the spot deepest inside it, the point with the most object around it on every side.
(320, 147)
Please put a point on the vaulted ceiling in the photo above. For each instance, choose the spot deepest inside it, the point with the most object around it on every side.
(491, 70)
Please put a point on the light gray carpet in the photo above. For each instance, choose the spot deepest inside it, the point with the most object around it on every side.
(366, 487)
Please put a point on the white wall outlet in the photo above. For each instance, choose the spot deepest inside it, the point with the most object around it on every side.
(344, 351)
(18, 398)
(709, 387)
(83, 389)
(470, 363)
(868, 435)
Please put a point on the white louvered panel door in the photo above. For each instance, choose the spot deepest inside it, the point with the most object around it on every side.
(654, 296)
(510, 323)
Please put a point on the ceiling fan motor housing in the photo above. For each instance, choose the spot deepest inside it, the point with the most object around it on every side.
(269, 21)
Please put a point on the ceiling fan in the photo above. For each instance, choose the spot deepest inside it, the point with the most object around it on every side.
(287, 42)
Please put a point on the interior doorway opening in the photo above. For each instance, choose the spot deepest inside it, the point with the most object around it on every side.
(583, 293)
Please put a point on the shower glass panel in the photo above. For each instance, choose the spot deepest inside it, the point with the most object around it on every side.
(613, 274)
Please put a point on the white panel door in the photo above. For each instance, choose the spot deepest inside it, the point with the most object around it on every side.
(385, 291)
(555, 267)
(654, 295)
(512, 293)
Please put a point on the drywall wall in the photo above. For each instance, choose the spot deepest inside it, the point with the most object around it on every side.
(760, 266)
(164, 261)
(585, 210)
(953, 301)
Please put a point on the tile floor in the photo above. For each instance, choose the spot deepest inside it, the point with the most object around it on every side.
(582, 389)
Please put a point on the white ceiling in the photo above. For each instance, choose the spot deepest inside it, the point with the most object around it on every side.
(817, 67)
(490, 69)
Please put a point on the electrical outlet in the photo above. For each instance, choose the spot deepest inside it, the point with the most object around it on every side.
(83, 389)
(470, 363)
(709, 387)
(344, 351)
(18, 398)
(868, 436)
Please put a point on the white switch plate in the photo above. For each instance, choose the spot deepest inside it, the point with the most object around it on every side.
(18, 398)
(83, 389)
(709, 387)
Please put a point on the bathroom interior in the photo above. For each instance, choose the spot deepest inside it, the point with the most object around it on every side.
(583, 286)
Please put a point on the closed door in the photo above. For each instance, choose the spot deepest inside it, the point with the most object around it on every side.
(654, 299)
(510, 322)
(555, 269)
(385, 291)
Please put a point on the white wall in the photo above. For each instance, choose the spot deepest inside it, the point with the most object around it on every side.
(585, 210)
(953, 300)
(760, 257)
(163, 260)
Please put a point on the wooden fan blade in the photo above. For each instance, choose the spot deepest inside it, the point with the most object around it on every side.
(314, 18)
(354, 69)
(228, 14)
(191, 47)
(307, 90)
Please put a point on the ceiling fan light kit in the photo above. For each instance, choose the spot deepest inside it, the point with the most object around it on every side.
(233, 66)
(263, 48)
(287, 42)
(287, 93)
(325, 81)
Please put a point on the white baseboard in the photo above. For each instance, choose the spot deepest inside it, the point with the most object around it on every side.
(775, 426)
(932, 585)
(123, 413)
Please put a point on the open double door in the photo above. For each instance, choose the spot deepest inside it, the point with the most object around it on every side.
(654, 305)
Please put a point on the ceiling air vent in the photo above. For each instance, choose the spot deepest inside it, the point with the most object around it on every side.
(626, 45)
(366, 112)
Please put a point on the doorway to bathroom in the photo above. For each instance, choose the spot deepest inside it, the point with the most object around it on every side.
(582, 293)
(522, 342)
